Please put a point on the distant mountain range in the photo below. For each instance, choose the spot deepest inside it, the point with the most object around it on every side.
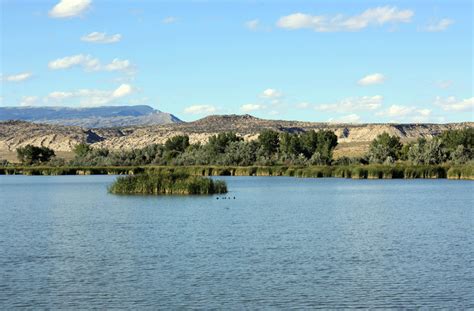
(93, 117)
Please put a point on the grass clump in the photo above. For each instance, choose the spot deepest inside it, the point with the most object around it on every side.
(167, 183)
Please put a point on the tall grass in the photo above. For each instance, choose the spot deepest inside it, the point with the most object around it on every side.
(355, 171)
(167, 183)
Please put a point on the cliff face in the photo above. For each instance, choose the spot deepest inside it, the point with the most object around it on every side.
(353, 138)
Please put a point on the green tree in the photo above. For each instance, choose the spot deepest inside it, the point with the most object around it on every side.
(290, 144)
(383, 147)
(461, 155)
(30, 154)
(269, 141)
(326, 142)
(434, 152)
(218, 143)
(453, 138)
(81, 150)
(177, 144)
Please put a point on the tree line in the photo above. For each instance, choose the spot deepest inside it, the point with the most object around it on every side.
(270, 148)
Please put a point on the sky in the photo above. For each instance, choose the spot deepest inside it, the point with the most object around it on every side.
(329, 61)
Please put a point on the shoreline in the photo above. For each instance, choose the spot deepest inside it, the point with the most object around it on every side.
(379, 171)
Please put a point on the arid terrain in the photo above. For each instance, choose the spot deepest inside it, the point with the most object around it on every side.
(353, 138)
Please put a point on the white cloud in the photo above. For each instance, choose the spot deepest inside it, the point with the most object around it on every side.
(251, 107)
(60, 96)
(17, 77)
(439, 26)
(118, 65)
(89, 63)
(375, 78)
(101, 37)
(351, 118)
(303, 105)
(122, 90)
(200, 109)
(28, 101)
(446, 84)
(402, 112)
(69, 8)
(86, 61)
(364, 103)
(169, 20)
(271, 94)
(374, 16)
(252, 24)
(89, 97)
(451, 103)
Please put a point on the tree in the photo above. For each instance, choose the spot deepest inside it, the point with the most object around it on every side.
(384, 146)
(81, 150)
(416, 152)
(32, 155)
(326, 142)
(218, 143)
(461, 155)
(269, 141)
(433, 152)
(290, 145)
(453, 138)
(177, 143)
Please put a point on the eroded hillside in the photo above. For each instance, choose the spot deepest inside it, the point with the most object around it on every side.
(353, 138)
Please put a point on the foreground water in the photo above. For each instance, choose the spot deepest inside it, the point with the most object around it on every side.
(282, 242)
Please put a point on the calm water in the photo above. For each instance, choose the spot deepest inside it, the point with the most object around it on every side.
(283, 242)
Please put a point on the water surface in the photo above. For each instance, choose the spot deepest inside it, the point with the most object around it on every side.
(281, 243)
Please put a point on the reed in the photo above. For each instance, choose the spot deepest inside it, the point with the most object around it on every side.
(167, 183)
(355, 171)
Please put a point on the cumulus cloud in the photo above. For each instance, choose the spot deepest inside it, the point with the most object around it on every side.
(89, 63)
(169, 20)
(200, 109)
(251, 107)
(378, 16)
(351, 118)
(89, 97)
(69, 8)
(439, 26)
(86, 61)
(19, 77)
(451, 103)
(364, 103)
(303, 105)
(398, 112)
(375, 78)
(101, 37)
(118, 65)
(271, 94)
(252, 24)
(28, 101)
(445, 84)
(122, 90)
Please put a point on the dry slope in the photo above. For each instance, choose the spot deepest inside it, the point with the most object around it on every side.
(353, 138)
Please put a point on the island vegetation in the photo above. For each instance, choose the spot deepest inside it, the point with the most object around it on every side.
(308, 154)
(167, 182)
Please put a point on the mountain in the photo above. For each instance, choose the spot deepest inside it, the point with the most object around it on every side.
(93, 117)
(353, 139)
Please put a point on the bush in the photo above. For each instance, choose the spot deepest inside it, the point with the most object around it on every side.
(33, 155)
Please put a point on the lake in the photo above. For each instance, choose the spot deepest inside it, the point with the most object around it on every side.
(281, 243)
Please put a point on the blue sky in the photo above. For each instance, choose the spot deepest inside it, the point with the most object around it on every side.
(353, 61)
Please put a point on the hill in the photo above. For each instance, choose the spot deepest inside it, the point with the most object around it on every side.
(353, 138)
(92, 117)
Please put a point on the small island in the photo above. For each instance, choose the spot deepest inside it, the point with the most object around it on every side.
(166, 183)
